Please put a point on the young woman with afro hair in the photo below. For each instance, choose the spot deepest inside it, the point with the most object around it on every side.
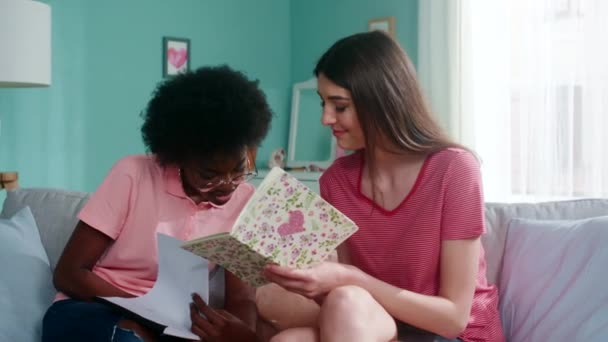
(201, 129)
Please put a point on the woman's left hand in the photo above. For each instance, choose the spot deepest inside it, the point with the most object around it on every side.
(313, 282)
(218, 325)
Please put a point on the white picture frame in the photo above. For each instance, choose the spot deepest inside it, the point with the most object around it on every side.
(291, 161)
(385, 24)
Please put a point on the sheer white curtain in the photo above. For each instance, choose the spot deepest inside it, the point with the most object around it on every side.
(535, 87)
(444, 54)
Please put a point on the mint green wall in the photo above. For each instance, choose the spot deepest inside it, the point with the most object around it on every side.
(106, 61)
(252, 36)
(43, 132)
(316, 24)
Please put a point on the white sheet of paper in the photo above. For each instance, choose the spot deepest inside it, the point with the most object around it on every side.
(180, 273)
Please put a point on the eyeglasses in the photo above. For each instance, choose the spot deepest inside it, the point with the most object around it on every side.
(210, 184)
(234, 181)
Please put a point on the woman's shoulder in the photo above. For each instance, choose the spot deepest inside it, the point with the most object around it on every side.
(344, 166)
(137, 161)
(138, 169)
(136, 164)
(454, 158)
(452, 166)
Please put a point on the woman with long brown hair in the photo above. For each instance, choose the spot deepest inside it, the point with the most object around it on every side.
(416, 268)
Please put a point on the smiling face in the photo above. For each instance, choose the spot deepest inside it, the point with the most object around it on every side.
(340, 114)
(215, 179)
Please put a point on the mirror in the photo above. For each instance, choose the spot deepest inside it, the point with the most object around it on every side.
(310, 143)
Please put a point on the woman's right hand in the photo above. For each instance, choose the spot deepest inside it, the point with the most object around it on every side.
(314, 282)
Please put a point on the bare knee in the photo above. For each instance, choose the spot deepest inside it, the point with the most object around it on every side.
(346, 306)
(348, 298)
(281, 337)
(297, 335)
(355, 312)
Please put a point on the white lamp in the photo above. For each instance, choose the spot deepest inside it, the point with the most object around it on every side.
(25, 44)
(25, 52)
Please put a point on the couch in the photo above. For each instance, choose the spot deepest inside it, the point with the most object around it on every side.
(550, 261)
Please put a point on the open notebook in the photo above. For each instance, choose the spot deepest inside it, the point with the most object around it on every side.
(167, 306)
(283, 222)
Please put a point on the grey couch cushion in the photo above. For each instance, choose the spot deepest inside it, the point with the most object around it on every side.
(26, 290)
(54, 211)
(499, 215)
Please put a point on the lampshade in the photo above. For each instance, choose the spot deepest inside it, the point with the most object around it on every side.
(25, 44)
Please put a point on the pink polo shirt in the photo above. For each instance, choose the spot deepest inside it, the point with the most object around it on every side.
(138, 199)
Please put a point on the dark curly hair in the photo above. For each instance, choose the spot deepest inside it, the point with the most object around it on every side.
(205, 113)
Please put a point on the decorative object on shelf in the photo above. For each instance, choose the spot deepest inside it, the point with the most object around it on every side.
(316, 168)
(277, 158)
(176, 55)
(25, 38)
(9, 180)
(386, 24)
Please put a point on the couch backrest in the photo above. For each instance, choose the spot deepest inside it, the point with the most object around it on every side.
(54, 211)
(498, 216)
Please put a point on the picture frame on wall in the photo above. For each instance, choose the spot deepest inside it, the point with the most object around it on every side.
(386, 24)
(176, 56)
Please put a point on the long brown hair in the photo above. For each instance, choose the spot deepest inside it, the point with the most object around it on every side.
(386, 94)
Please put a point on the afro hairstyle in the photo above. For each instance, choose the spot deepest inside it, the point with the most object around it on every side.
(205, 113)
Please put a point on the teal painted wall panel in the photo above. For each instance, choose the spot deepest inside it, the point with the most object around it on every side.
(249, 36)
(43, 129)
(316, 24)
(106, 61)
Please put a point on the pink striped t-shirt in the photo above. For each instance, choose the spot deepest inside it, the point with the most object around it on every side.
(402, 247)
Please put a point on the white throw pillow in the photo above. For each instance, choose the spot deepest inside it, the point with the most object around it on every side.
(554, 281)
(55, 213)
(26, 288)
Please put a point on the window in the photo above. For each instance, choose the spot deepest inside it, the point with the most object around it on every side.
(540, 80)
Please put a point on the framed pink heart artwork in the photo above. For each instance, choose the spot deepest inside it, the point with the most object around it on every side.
(176, 55)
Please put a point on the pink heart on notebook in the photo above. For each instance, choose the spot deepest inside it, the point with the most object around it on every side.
(295, 224)
(177, 57)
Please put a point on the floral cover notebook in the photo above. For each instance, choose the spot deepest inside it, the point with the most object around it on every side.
(284, 222)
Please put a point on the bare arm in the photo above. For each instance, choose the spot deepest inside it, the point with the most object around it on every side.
(240, 300)
(447, 313)
(73, 274)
